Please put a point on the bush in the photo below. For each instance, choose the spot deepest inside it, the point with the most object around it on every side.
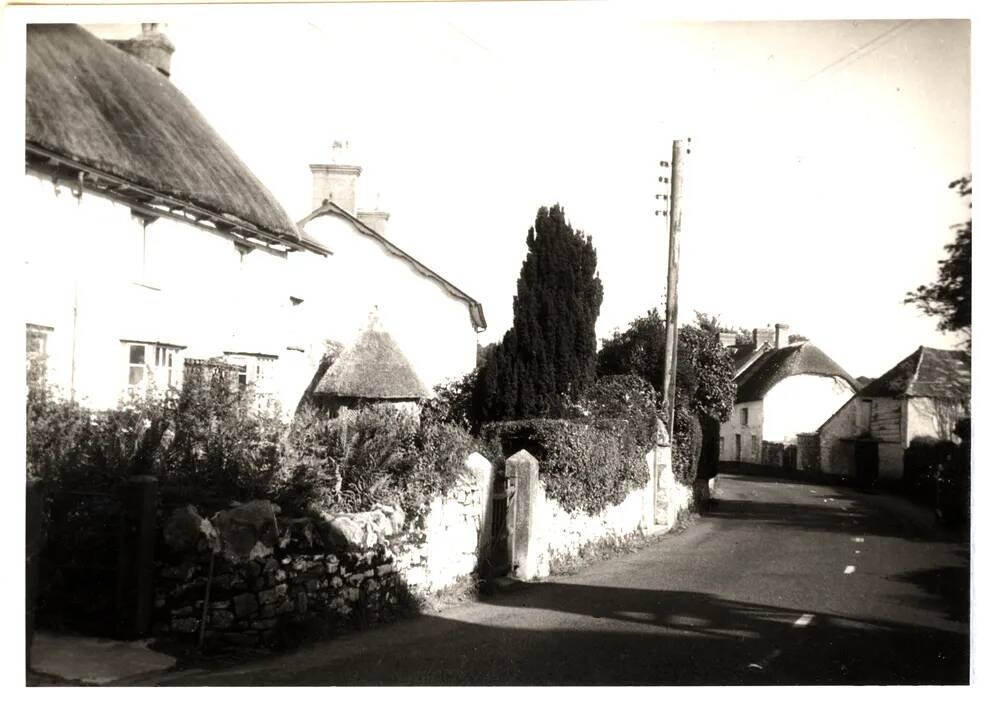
(451, 404)
(585, 466)
(628, 398)
(923, 460)
(687, 443)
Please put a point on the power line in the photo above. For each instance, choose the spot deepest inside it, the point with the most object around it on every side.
(855, 54)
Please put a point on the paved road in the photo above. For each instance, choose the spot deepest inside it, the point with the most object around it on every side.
(780, 583)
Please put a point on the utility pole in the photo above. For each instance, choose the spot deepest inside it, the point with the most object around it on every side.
(680, 148)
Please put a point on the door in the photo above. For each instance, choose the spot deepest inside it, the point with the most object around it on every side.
(739, 447)
(866, 461)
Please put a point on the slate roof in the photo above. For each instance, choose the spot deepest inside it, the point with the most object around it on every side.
(373, 368)
(104, 109)
(925, 373)
(777, 364)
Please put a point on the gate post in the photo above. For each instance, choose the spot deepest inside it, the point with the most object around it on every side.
(135, 557)
(522, 468)
(663, 475)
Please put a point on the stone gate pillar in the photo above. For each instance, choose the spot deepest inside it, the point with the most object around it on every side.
(522, 471)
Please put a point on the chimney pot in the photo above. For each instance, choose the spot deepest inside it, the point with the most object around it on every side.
(375, 220)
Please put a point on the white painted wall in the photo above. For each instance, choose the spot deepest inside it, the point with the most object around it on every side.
(97, 276)
(734, 426)
(801, 404)
(433, 328)
(94, 269)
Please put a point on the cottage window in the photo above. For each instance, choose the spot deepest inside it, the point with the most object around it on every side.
(36, 348)
(744, 416)
(153, 364)
(256, 368)
(754, 446)
(722, 446)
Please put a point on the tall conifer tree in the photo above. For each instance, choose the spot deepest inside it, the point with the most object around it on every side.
(548, 357)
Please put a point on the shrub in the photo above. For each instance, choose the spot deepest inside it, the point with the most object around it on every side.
(923, 459)
(686, 450)
(311, 454)
(451, 404)
(55, 434)
(586, 466)
(628, 398)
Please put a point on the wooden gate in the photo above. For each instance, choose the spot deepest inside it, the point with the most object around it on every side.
(502, 520)
(96, 566)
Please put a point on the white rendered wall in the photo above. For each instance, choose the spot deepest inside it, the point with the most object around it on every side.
(432, 328)
(734, 426)
(801, 404)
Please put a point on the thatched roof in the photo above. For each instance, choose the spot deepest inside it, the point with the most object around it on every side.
(776, 365)
(925, 373)
(374, 368)
(104, 109)
(476, 314)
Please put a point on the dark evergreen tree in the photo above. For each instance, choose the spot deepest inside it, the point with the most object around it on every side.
(547, 359)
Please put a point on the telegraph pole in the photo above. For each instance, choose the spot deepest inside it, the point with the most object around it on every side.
(680, 148)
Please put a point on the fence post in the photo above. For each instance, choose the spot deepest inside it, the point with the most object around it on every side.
(135, 563)
(523, 469)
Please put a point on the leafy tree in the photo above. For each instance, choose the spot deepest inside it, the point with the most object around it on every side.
(547, 359)
(704, 369)
(950, 298)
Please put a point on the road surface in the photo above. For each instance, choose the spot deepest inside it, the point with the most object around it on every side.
(780, 583)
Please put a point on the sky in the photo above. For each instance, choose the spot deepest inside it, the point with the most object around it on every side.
(816, 191)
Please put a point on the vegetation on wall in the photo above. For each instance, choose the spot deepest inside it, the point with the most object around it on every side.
(211, 443)
(547, 359)
(704, 385)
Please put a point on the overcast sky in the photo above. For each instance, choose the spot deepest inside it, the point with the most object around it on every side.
(815, 193)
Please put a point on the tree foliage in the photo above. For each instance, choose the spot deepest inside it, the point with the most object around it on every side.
(704, 369)
(950, 298)
(547, 359)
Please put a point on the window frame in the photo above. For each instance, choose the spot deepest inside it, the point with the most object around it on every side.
(744, 416)
(161, 364)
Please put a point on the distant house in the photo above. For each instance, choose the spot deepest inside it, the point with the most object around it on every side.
(151, 242)
(434, 324)
(921, 396)
(781, 390)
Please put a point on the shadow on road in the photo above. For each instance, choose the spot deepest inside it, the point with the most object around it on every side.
(626, 637)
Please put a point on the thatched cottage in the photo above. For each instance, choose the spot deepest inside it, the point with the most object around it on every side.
(151, 242)
(781, 391)
(923, 395)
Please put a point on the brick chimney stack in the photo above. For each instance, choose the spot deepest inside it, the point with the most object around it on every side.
(336, 181)
(152, 47)
(780, 336)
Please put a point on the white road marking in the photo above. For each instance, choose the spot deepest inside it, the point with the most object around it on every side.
(859, 540)
(803, 620)
(849, 569)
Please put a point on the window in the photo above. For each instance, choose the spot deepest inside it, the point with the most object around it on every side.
(754, 446)
(865, 417)
(257, 369)
(744, 416)
(36, 350)
(722, 446)
(153, 364)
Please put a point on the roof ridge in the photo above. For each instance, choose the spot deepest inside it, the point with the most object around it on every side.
(916, 370)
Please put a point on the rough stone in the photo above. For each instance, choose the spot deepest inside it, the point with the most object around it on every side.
(270, 596)
(301, 602)
(244, 604)
(264, 624)
(186, 530)
(182, 612)
(222, 619)
(187, 625)
(247, 531)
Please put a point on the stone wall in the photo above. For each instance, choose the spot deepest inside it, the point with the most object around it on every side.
(269, 574)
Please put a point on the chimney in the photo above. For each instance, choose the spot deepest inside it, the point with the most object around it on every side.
(375, 220)
(761, 336)
(780, 336)
(152, 47)
(727, 338)
(336, 182)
